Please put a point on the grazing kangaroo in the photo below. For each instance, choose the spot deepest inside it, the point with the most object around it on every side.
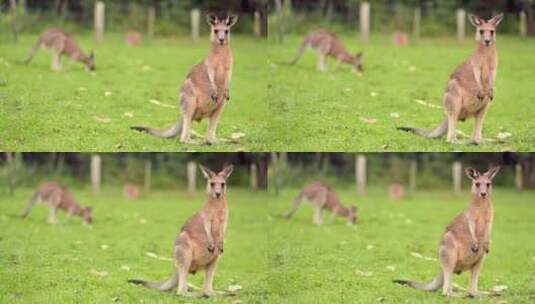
(206, 88)
(57, 197)
(321, 197)
(466, 240)
(471, 86)
(326, 44)
(61, 44)
(200, 241)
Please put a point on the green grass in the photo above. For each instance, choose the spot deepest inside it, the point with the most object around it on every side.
(335, 263)
(335, 111)
(42, 263)
(44, 110)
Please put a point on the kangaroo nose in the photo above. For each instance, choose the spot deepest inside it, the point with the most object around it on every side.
(221, 40)
(483, 194)
(218, 194)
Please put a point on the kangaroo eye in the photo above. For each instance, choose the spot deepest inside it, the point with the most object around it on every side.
(481, 32)
(226, 31)
(488, 185)
(216, 31)
(212, 184)
(222, 185)
(492, 32)
(478, 184)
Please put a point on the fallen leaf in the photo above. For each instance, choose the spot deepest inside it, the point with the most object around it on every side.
(98, 273)
(503, 135)
(107, 93)
(364, 273)
(237, 135)
(394, 115)
(129, 114)
(158, 103)
(423, 103)
(155, 256)
(82, 89)
(369, 247)
(373, 94)
(142, 221)
(125, 268)
(102, 119)
(234, 288)
(412, 68)
(499, 288)
(115, 299)
(104, 246)
(417, 255)
(368, 120)
(391, 268)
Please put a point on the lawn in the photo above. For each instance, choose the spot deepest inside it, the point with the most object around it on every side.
(70, 263)
(335, 263)
(340, 111)
(74, 110)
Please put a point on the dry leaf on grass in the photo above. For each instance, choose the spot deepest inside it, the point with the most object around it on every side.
(367, 120)
(363, 273)
(158, 103)
(125, 268)
(423, 103)
(234, 288)
(417, 255)
(142, 221)
(394, 115)
(104, 247)
(129, 114)
(237, 135)
(391, 267)
(503, 135)
(499, 288)
(155, 256)
(98, 273)
(369, 247)
(102, 119)
(107, 93)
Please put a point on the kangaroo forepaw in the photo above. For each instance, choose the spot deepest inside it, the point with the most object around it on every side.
(480, 96)
(474, 248)
(211, 248)
(220, 248)
(214, 97)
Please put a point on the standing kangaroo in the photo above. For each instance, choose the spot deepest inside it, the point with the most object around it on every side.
(206, 88)
(466, 240)
(321, 197)
(200, 241)
(327, 44)
(61, 43)
(471, 86)
(57, 197)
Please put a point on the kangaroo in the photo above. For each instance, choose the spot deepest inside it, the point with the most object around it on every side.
(466, 240)
(206, 88)
(326, 44)
(471, 86)
(321, 197)
(57, 196)
(199, 243)
(61, 44)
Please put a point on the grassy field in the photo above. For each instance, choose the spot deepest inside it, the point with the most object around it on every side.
(70, 263)
(335, 263)
(74, 110)
(340, 111)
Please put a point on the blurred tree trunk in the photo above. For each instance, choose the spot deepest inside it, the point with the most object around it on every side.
(261, 171)
(14, 28)
(10, 173)
(280, 20)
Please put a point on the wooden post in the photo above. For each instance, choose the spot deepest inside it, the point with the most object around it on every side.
(461, 24)
(360, 174)
(416, 23)
(523, 25)
(254, 177)
(195, 23)
(10, 173)
(519, 181)
(22, 7)
(148, 175)
(280, 20)
(457, 174)
(95, 173)
(257, 27)
(151, 17)
(99, 21)
(413, 169)
(365, 21)
(192, 176)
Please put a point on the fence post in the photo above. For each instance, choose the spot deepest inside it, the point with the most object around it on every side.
(148, 175)
(192, 176)
(360, 174)
(416, 23)
(519, 182)
(365, 21)
(523, 25)
(461, 24)
(257, 28)
(413, 169)
(95, 173)
(151, 17)
(99, 21)
(457, 174)
(195, 23)
(254, 177)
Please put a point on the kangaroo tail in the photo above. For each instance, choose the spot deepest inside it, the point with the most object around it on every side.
(164, 286)
(435, 284)
(295, 205)
(33, 50)
(172, 131)
(300, 52)
(31, 203)
(439, 131)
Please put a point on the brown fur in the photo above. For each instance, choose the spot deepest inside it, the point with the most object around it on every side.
(132, 38)
(466, 240)
(327, 44)
(57, 196)
(321, 197)
(205, 91)
(199, 243)
(471, 86)
(61, 44)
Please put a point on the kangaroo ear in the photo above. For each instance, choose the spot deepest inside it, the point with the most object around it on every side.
(492, 172)
(227, 171)
(475, 20)
(471, 173)
(231, 20)
(211, 19)
(496, 19)
(207, 172)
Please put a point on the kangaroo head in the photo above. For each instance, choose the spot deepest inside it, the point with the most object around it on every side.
(352, 216)
(216, 183)
(486, 30)
(220, 28)
(90, 61)
(357, 62)
(86, 215)
(481, 183)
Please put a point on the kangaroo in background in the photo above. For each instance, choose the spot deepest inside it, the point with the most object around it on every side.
(61, 44)
(321, 197)
(326, 44)
(200, 241)
(57, 197)
(206, 88)
(466, 240)
(471, 86)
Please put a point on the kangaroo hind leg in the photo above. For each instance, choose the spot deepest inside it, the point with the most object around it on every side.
(448, 261)
(208, 289)
(57, 50)
(183, 254)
